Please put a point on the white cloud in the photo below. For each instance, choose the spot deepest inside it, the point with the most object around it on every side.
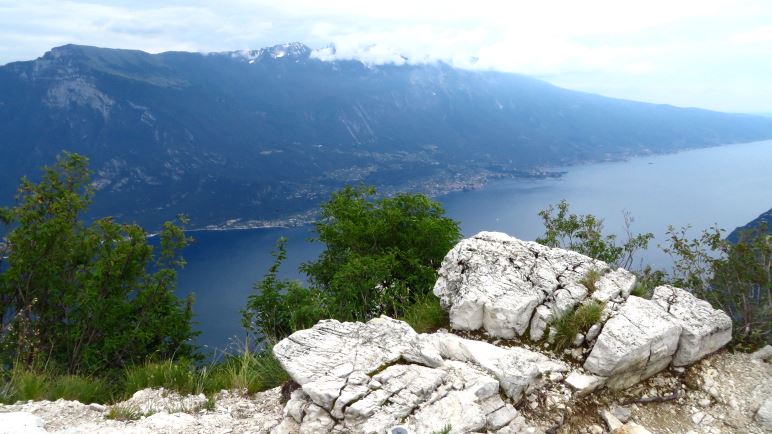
(648, 50)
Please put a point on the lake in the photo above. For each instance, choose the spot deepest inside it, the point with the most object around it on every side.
(727, 185)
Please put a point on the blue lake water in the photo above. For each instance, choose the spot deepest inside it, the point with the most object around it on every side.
(727, 186)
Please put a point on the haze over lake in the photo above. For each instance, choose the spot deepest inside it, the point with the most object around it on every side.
(727, 185)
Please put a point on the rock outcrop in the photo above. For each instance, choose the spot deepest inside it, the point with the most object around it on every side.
(381, 376)
(505, 286)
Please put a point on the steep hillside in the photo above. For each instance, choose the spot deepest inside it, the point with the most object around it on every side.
(765, 218)
(266, 134)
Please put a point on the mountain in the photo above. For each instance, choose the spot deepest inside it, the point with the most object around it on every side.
(266, 134)
(765, 218)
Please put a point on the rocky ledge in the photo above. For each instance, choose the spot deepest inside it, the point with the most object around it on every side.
(497, 370)
(381, 376)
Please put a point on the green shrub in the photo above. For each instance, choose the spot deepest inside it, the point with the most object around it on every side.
(584, 234)
(380, 257)
(86, 298)
(565, 331)
(25, 384)
(733, 277)
(426, 315)
(573, 322)
(445, 430)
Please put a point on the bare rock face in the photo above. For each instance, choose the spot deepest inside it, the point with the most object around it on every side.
(636, 343)
(371, 377)
(505, 286)
(703, 329)
(495, 282)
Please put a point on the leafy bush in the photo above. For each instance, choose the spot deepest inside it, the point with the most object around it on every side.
(381, 257)
(584, 234)
(80, 297)
(734, 277)
(380, 254)
(280, 306)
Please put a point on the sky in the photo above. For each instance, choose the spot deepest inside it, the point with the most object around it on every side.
(714, 54)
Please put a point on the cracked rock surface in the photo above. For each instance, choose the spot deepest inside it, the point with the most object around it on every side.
(381, 375)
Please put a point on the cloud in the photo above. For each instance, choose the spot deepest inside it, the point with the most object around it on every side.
(647, 50)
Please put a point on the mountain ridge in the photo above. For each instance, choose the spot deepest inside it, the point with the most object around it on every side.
(266, 134)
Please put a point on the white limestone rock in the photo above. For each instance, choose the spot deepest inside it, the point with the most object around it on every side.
(494, 281)
(21, 422)
(617, 283)
(371, 377)
(704, 329)
(764, 414)
(584, 384)
(636, 343)
(324, 358)
(516, 368)
(632, 428)
(763, 354)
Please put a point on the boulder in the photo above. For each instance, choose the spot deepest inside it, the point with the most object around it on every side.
(703, 329)
(495, 282)
(764, 354)
(764, 414)
(636, 343)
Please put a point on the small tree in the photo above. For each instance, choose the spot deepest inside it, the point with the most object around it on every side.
(280, 306)
(381, 256)
(81, 297)
(584, 234)
(734, 277)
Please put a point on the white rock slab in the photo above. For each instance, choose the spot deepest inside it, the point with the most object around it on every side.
(636, 343)
(704, 329)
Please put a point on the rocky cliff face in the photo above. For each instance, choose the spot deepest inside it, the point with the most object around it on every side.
(497, 370)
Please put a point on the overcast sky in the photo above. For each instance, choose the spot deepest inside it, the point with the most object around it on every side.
(705, 53)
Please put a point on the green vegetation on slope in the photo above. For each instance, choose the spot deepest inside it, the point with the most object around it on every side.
(381, 257)
(79, 298)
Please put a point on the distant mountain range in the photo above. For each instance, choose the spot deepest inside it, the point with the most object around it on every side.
(766, 217)
(246, 137)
